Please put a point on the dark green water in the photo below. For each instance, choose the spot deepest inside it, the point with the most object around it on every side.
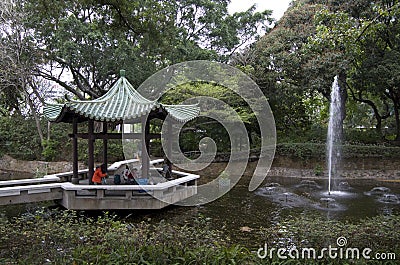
(240, 210)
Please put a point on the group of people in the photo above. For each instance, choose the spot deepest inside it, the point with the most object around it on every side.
(128, 176)
(100, 174)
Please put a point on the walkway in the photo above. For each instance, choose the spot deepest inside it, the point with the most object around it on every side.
(104, 197)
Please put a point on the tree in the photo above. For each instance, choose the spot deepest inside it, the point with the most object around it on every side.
(205, 126)
(316, 40)
(92, 40)
(281, 67)
(369, 40)
(20, 59)
(16, 59)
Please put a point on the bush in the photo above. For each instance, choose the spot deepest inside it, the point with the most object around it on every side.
(315, 150)
(367, 136)
(70, 237)
(19, 138)
(49, 152)
(379, 233)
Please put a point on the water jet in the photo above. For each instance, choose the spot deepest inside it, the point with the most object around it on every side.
(334, 135)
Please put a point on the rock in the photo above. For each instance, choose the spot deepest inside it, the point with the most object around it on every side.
(246, 229)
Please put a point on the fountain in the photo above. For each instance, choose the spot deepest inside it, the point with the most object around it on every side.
(389, 198)
(377, 191)
(270, 189)
(335, 128)
(308, 185)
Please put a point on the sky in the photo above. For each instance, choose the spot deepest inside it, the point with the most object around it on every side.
(278, 6)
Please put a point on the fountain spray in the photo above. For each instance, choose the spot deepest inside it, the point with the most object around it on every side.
(334, 132)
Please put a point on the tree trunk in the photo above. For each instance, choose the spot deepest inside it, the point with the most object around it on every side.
(396, 113)
(35, 116)
(377, 115)
(48, 130)
(378, 126)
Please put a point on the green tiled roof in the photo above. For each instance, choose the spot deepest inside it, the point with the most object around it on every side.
(121, 102)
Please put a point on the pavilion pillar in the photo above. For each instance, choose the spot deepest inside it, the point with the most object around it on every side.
(168, 139)
(75, 177)
(169, 144)
(90, 150)
(144, 140)
(105, 144)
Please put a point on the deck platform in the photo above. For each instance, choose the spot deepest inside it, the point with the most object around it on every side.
(100, 197)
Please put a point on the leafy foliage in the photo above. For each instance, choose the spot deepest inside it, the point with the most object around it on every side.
(315, 150)
(312, 231)
(18, 58)
(92, 40)
(81, 44)
(202, 127)
(65, 237)
(19, 138)
(49, 152)
(368, 45)
(316, 40)
(69, 237)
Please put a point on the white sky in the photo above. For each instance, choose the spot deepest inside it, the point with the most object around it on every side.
(278, 6)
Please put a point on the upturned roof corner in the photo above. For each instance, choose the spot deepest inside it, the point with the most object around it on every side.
(122, 102)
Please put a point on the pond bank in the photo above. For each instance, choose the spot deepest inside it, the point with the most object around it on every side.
(11, 168)
(362, 168)
(352, 168)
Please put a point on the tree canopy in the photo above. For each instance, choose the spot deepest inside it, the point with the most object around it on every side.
(80, 45)
(92, 40)
(316, 40)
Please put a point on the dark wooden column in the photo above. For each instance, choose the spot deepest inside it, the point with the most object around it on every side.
(144, 140)
(169, 144)
(105, 144)
(168, 138)
(147, 137)
(90, 150)
(75, 177)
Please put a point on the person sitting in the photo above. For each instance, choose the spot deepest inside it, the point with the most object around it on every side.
(117, 179)
(130, 177)
(99, 174)
(166, 169)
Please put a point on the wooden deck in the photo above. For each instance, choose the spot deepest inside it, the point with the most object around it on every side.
(100, 197)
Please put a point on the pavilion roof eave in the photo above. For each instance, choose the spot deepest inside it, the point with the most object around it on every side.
(62, 113)
(182, 113)
(122, 102)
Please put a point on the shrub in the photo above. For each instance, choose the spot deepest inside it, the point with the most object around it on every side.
(70, 237)
(315, 150)
(49, 152)
(19, 138)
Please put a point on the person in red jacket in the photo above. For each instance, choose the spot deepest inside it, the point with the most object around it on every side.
(99, 174)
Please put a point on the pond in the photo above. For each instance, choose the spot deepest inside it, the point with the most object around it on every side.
(240, 213)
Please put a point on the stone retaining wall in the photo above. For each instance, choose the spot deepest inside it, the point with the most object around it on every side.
(282, 166)
(11, 168)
